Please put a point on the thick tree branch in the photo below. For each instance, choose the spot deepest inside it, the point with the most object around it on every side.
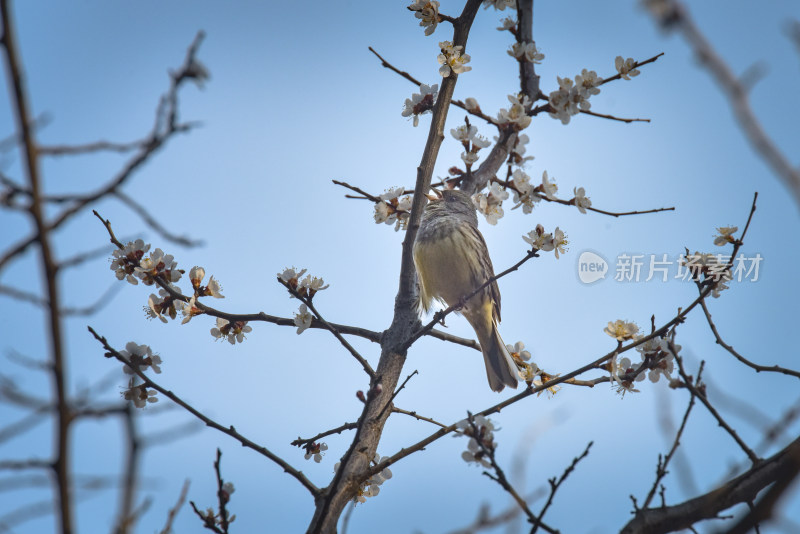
(742, 489)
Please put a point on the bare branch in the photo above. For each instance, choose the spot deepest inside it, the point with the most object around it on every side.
(230, 431)
(165, 127)
(415, 415)
(173, 512)
(737, 95)
(88, 148)
(151, 221)
(661, 468)
(758, 368)
(697, 392)
(299, 442)
(555, 484)
(742, 489)
(346, 344)
(611, 117)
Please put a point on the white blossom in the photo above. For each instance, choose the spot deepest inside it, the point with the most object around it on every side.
(517, 113)
(140, 357)
(464, 133)
(139, 394)
(539, 239)
(232, 331)
(526, 52)
(625, 67)
(427, 12)
(472, 105)
(469, 157)
(725, 235)
(549, 188)
(508, 23)
(621, 330)
(124, 261)
(581, 201)
(420, 103)
(302, 319)
(316, 451)
(291, 275)
(452, 60)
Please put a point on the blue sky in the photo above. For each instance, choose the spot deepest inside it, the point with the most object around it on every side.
(296, 99)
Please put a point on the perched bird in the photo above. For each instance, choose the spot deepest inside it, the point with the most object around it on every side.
(452, 261)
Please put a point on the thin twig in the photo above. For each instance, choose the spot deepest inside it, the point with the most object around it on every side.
(555, 484)
(758, 368)
(299, 442)
(332, 329)
(661, 468)
(173, 512)
(151, 221)
(230, 431)
(738, 98)
(415, 415)
(687, 382)
(611, 117)
(397, 392)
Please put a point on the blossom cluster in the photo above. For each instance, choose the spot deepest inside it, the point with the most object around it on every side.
(130, 263)
(307, 287)
(139, 358)
(452, 60)
(169, 303)
(517, 114)
(428, 14)
(490, 203)
(393, 208)
(538, 239)
(371, 487)
(471, 141)
(233, 331)
(573, 96)
(658, 355)
(481, 444)
(709, 267)
(525, 194)
(527, 370)
(420, 103)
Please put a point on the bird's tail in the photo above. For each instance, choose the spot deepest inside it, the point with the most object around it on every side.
(500, 367)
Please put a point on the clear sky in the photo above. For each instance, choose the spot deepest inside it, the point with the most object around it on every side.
(295, 99)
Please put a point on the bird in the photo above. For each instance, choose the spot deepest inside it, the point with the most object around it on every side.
(452, 261)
